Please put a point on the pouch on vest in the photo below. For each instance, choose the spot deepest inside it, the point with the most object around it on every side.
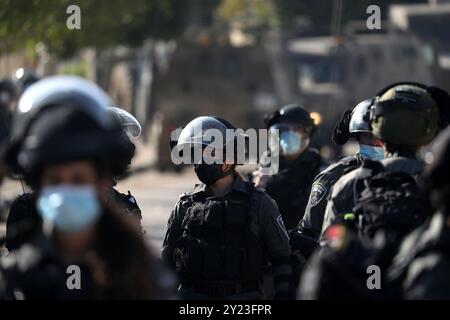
(235, 260)
(213, 213)
(213, 263)
(189, 257)
(236, 215)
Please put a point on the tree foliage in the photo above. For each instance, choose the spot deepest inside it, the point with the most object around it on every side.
(284, 12)
(24, 23)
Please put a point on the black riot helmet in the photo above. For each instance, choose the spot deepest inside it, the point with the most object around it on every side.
(64, 118)
(214, 134)
(131, 132)
(196, 132)
(292, 114)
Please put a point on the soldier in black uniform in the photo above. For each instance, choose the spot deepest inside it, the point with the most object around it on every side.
(221, 236)
(65, 144)
(350, 246)
(421, 268)
(393, 111)
(23, 222)
(299, 164)
(351, 125)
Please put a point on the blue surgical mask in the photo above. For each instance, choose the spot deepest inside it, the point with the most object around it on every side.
(290, 142)
(371, 152)
(70, 209)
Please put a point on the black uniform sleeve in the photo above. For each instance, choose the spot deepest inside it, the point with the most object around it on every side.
(173, 233)
(276, 240)
(341, 200)
(311, 222)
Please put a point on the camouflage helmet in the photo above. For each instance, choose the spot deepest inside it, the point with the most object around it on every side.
(405, 114)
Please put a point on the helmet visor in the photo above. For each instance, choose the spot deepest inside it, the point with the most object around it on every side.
(127, 121)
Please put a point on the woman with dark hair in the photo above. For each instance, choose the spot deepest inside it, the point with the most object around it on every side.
(65, 143)
(23, 221)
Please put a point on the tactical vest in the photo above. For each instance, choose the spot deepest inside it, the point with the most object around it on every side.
(388, 200)
(217, 243)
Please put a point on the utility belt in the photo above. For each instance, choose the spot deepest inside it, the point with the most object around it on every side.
(223, 289)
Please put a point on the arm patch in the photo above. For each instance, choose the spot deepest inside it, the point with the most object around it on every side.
(317, 193)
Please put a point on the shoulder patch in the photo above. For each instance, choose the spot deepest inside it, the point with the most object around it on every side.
(317, 193)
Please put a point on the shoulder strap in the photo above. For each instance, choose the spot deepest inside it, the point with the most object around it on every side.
(375, 168)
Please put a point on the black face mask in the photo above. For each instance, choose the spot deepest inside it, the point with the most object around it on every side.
(210, 173)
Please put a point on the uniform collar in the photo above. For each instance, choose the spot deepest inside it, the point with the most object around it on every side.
(239, 185)
(308, 156)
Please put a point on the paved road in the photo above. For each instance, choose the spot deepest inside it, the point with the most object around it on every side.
(155, 192)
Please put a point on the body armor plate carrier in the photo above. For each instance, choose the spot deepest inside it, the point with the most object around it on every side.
(217, 243)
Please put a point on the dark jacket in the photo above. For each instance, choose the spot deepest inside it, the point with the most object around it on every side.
(420, 270)
(311, 224)
(290, 188)
(24, 222)
(264, 222)
(342, 199)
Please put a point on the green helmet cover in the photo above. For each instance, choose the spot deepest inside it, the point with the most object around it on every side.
(405, 115)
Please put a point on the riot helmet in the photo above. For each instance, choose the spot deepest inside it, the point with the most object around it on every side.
(405, 114)
(358, 119)
(128, 122)
(292, 114)
(131, 132)
(295, 127)
(211, 141)
(63, 118)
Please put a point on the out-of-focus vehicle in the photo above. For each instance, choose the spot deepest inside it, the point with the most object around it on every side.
(212, 78)
(334, 73)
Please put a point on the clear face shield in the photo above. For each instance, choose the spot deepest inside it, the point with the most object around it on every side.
(128, 122)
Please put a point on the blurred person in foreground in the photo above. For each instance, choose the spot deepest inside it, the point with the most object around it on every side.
(7, 99)
(221, 236)
(421, 269)
(65, 144)
(24, 222)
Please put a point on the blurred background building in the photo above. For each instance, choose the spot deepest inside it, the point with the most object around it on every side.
(169, 61)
